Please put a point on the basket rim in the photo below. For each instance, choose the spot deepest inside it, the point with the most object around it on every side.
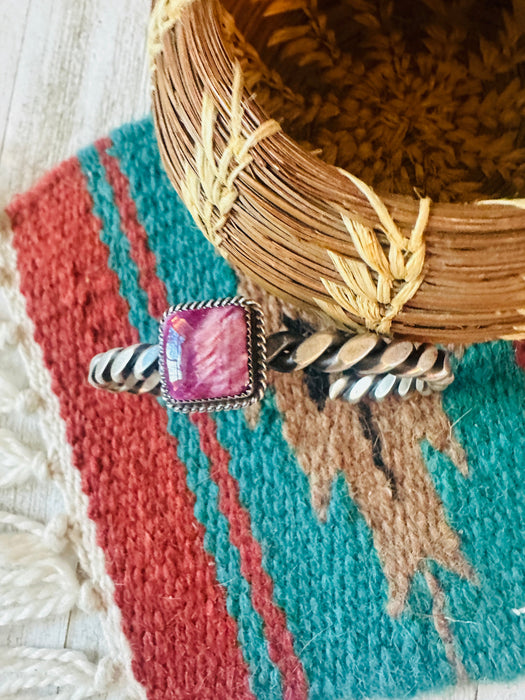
(493, 229)
(502, 214)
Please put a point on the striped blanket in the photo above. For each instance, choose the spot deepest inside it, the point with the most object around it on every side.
(299, 549)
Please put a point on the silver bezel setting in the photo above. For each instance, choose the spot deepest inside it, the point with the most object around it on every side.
(256, 342)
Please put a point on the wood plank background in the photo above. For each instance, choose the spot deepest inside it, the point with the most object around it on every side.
(69, 72)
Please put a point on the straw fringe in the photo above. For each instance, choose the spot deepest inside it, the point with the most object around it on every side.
(210, 192)
(164, 15)
(378, 286)
(38, 562)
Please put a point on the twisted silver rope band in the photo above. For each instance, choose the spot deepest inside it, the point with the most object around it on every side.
(359, 365)
(134, 369)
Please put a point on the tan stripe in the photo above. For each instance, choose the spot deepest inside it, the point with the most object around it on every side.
(399, 502)
(441, 624)
(416, 528)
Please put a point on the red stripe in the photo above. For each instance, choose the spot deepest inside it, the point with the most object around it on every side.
(144, 258)
(173, 610)
(280, 640)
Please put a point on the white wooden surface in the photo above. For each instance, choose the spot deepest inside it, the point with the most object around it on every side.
(69, 72)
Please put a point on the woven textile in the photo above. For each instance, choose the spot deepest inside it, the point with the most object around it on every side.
(300, 549)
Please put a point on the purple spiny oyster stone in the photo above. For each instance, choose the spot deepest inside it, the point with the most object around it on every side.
(206, 353)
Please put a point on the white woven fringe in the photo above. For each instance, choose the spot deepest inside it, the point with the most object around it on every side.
(52, 568)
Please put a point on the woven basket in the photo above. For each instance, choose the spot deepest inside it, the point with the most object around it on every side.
(363, 158)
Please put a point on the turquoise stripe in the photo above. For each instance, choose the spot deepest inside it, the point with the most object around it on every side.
(327, 576)
(486, 404)
(190, 270)
(119, 259)
(265, 681)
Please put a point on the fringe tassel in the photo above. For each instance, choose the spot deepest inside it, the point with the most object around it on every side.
(27, 668)
(8, 333)
(12, 399)
(20, 463)
(35, 581)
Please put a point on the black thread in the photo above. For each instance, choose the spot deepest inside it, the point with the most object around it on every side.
(371, 433)
(318, 386)
(317, 382)
(296, 325)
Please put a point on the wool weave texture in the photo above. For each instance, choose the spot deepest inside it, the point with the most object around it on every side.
(302, 548)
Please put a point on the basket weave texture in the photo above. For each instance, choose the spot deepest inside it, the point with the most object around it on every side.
(365, 159)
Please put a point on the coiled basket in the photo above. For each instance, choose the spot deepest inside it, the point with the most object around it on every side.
(363, 158)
